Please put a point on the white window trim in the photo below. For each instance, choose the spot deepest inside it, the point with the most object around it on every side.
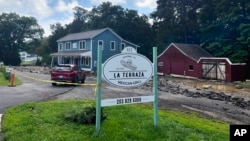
(60, 46)
(86, 61)
(160, 64)
(111, 45)
(102, 44)
(66, 46)
(192, 67)
(121, 46)
(82, 60)
(83, 42)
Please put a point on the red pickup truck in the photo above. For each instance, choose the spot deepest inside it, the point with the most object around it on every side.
(67, 73)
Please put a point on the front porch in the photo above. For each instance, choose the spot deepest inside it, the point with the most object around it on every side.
(81, 58)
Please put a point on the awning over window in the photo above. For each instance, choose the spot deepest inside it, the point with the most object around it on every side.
(72, 54)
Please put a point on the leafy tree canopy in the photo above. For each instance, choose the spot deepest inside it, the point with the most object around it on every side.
(127, 23)
(14, 31)
(221, 27)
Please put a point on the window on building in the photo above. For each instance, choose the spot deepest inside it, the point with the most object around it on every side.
(82, 60)
(112, 45)
(191, 67)
(67, 46)
(74, 45)
(60, 47)
(160, 64)
(100, 43)
(82, 45)
(87, 60)
(122, 46)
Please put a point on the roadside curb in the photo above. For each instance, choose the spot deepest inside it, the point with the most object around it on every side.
(1, 115)
(1, 135)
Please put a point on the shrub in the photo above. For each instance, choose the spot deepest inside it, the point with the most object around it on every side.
(5, 74)
(86, 115)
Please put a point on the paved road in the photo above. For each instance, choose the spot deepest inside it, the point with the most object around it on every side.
(30, 90)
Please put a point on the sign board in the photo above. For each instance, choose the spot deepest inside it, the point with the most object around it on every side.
(126, 100)
(127, 69)
(9, 70)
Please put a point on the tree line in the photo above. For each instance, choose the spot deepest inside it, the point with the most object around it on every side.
(220, 27)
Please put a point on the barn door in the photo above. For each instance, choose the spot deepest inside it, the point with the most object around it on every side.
(214, 70)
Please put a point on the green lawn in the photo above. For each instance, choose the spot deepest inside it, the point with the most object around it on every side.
(46, 121)
(4, 82)
(245, 84)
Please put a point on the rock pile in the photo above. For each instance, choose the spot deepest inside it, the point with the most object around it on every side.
(167, 85)
(34, 69)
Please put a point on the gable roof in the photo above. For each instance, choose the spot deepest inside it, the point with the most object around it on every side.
(82, 35)
(89, 35)
(193, 51)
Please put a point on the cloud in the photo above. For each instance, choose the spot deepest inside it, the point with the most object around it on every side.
(151, 4)
(97, 2)
(62, 6)
(46, 12)
(38, 8)
(49, 12)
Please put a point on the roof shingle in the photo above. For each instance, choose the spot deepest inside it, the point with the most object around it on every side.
(81, 35)
(192, 51)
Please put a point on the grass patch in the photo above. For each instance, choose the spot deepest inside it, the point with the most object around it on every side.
(5, 82)
(5, 77)
(46, 121)
(245, 84)
(28, 63)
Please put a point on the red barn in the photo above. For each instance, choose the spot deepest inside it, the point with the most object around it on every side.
(192, 61)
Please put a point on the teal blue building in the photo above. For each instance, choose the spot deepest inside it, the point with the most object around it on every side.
(81, 48)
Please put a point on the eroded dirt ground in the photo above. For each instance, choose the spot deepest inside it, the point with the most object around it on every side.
(212, 99)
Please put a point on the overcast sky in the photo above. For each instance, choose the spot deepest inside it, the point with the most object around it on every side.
(48, 12)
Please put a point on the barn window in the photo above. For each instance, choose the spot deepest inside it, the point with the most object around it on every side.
(160, 64)
(191, 67)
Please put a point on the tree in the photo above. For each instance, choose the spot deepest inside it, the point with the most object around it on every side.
(44, 50)
(223, 28)
(31, 46)
(58, 31)
(176, 21)
(14, 31)
(127, 23)
(137, 29)
(244, 39)
(80, 22)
